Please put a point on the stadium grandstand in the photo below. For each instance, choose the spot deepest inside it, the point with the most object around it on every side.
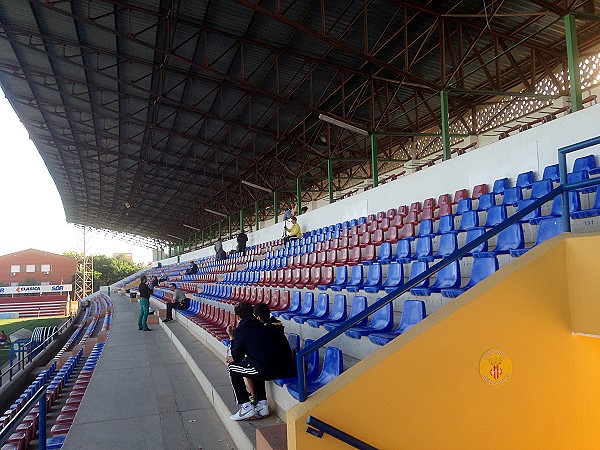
(442, 293)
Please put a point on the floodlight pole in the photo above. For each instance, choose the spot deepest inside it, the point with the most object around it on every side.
(573, 59)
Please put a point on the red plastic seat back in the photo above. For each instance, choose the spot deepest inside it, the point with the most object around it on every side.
(479, 190)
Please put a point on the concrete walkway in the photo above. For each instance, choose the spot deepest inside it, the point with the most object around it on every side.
(143, 395)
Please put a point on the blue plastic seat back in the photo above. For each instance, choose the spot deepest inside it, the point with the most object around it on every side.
(359, 304)
(486, 201)
(403, 249)
(448, 277)
(548, 228)
(295, 301)
(551, 173)
(383, 318)
(413, 312)
(448, 244)
(353, 223)
(341, 276)
(385, 251)
(294, 341)
(374, 275)
(574, 204)
(525, 179)
(469, 220)
(511, 238)
(464, 205)
(362, 220)
(417, 268)
(356, 276)
(333, 365)
(322, 307)
(597, 199)
(425, 227)
(500, 186)
(512, 196)
(482, 268)
(532, 215)
(586, 163)
(473, 234)
(495, 215)
(308, 303)
(312, 362)
(540, 188)
(446, 224)
(395, 275)
(423, 248)
(339, 309)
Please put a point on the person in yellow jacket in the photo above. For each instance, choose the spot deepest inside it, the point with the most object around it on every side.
(294, 232)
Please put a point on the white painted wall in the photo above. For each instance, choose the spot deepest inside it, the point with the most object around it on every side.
(529, 150)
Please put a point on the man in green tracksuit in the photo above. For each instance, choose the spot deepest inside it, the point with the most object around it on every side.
(145, 292)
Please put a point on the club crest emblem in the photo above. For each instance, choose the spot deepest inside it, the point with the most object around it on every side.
(495, 367)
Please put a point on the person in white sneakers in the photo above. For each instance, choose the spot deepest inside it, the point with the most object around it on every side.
(255, 355)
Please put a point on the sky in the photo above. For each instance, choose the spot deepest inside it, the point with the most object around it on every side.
(32, 214)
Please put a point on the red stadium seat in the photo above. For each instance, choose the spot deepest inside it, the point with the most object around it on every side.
(459, 195)
(479, 190)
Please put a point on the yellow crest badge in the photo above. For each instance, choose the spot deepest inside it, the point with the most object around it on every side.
(495, 367)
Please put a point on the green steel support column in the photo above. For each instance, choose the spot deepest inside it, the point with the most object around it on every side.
(374, 167)
(210, 234)
(256, 215)
(330, 179)
(299, 194)
(573, 58)
(241, 219)
(220, 228)
(230, 233)
(202, 237)
(275, 206)
(445, 125)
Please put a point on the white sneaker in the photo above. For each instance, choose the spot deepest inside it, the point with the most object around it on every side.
(262, 410)
(244, 413)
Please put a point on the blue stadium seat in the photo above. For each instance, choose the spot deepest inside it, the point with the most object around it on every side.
(500, 186)
(333, 365)
(551, 173)
(525, 180)
(395, 277)
(416, 269)
(403, 251)
(448, 244)
(445, 224)
(294, 305)
(359, 304)
(308, 305)
(574, 206)
(495, 215)
(321, 309)
(593, 211)
(512, 196)
(540, 188)
(312, 367)
(424, 249)
(547, 229)
(580, 175)
(486, 201)
(509, 239)
(482, 268)
(532, 215)
(469, 219)
(413, 312)
(294, 341)
(374, 281)
(357, 279)
(382, 321)
(473, 234)
(447, 278)
(341, 279)
(425, 228)
(385, 253)
(338, 314)
(587, 163)
(465, 204)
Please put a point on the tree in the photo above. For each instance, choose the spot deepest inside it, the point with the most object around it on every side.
(109, 270)
(31, 281)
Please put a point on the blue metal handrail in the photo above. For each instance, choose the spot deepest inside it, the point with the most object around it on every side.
(318, 428)
(563, 188)
(40, 398)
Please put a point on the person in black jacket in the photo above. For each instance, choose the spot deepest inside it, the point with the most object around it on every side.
(256, 356)
(145, 292)
(241, 242)
(193, 269)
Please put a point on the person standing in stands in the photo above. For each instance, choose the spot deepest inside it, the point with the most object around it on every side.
(145, 293)
(256, 356)
(180, 301)
(293, 232)
(241, 242)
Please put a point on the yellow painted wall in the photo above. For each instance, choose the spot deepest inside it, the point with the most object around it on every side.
(424, 389)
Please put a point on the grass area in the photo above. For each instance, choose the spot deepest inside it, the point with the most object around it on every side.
(11, 325)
